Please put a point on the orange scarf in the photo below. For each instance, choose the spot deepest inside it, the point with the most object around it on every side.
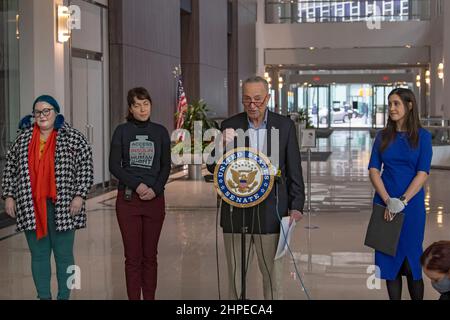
(42, 174)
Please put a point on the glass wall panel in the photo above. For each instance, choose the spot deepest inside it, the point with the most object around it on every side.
(9, 74)
(9, 80)
(301, 11)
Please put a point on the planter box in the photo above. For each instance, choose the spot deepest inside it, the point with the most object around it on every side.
(323, 133)
(195, 172)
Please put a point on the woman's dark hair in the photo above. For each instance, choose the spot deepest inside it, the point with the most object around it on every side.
(437, 257)
(139, 93)
(412, 121)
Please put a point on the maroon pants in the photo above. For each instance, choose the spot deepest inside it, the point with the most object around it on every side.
(140, 223)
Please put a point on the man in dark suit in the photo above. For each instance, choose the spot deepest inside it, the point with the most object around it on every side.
(287, 197)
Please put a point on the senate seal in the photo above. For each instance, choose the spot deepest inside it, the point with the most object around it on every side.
(244, 177)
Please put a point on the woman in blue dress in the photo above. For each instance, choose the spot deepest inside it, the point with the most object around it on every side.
(403, 150)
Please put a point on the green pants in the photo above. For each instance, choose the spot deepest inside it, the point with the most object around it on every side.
(61, 243)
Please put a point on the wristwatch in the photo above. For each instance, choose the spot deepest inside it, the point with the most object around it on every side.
(403, 199)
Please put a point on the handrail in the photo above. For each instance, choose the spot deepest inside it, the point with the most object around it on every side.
(438, 127)
(443, 122)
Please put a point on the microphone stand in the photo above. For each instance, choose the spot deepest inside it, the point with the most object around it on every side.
(243, 258)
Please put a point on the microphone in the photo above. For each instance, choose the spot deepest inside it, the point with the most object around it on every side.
(278, 177)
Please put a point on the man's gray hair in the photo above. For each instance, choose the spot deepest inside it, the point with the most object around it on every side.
(256, 79)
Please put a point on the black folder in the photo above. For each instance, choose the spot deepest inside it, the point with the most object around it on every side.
(384, 235)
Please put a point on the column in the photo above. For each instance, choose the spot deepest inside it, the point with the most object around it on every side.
(446, 59)
(276, 75)
(44, 67)
(260, 44)
(436, 104)
(423, 94)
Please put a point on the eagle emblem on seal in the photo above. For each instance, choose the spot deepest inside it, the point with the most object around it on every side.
(243, 181)
(243, 177)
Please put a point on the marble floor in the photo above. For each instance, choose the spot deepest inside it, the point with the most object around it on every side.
(330, 257)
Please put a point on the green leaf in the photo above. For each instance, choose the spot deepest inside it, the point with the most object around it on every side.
(198, 111)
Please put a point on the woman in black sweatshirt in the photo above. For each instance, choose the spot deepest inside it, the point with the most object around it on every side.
(140, 159)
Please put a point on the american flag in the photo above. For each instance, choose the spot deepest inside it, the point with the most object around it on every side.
(181, 104)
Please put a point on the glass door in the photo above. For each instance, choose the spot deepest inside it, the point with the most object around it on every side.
(89, 82)
(271, 104)
(9, 74)
(318, 104)
(87, 101)
(9, 83)
(380, 105)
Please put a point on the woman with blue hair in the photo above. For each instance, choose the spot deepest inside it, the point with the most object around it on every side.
(47, 177)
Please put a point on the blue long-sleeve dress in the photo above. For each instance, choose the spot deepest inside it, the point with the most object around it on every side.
(401, 163)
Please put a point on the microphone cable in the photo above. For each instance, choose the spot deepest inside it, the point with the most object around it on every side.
(234, 253)
(219, 210)
(263, 256)
(247, 262)
(287, 244)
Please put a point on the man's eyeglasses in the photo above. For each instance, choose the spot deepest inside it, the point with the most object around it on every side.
(45, 112)
(258, 103)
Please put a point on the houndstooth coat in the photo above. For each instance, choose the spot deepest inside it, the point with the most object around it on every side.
(73, 172)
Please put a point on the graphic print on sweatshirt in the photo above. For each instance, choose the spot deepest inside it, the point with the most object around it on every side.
(142, 152)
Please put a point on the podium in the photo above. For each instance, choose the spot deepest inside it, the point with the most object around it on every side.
(243, 178)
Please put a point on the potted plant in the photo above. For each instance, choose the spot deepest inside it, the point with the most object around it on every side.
(304, 120)
(196, 112)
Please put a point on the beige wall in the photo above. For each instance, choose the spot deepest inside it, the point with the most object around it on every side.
(247, 42)
(144, 50)
(43, 61)
(149, 38)
(204, 56)
(213, 55)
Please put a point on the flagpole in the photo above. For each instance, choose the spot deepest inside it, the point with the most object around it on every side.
(176, 74)
(181, 101)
